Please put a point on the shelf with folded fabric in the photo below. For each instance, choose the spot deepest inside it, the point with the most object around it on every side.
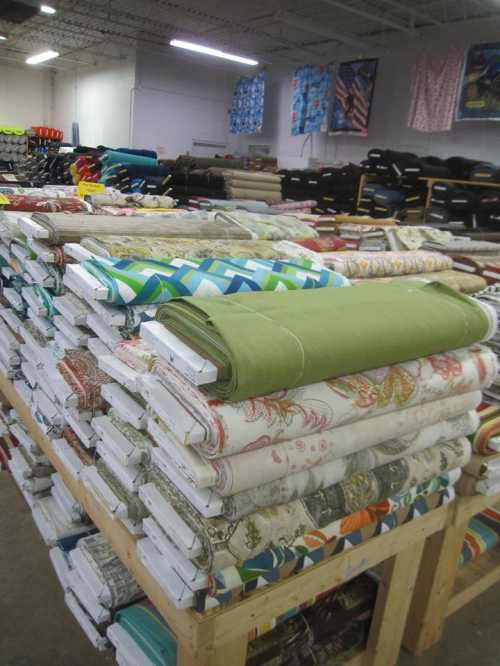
(220, 636)
(442, 586)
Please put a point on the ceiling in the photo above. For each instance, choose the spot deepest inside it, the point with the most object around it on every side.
(275, 31)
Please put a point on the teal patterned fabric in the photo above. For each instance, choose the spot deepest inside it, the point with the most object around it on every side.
(137, 282)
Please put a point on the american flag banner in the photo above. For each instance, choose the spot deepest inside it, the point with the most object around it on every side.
(354, 85)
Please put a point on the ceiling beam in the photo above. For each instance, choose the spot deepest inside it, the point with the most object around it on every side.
(412, 12)
(321, 29)
(345, 6)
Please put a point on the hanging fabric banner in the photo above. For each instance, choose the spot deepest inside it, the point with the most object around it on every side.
(354, 87)
(436, 80)
(480, 89)
(247, 111)
(311, 87)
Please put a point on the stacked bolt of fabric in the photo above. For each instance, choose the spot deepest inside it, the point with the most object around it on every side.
(87, 168)
(334, 625)
(202, 477)
(95, 583)
(334, 189)
(482, 474)
(483, 534)
(250, 184)
(188, 185)
(491, 295)
(131, 170)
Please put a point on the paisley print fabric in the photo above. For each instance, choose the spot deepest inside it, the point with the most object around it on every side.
(288, 414)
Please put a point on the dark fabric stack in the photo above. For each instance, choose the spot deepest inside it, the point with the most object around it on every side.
(47, 169)
(488, 210)
(452, 204)
(334, 188)
(139, 178)
(329, 632)
(186, 184)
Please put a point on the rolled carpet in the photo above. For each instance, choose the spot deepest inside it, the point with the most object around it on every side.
(264, 342)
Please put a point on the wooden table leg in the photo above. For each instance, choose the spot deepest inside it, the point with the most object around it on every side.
(225, 654)
(434, 588)
(391, 608)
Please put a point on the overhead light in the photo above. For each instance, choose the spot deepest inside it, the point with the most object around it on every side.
(190, 46)
(47, 9)
(42, 57)
(2, 38)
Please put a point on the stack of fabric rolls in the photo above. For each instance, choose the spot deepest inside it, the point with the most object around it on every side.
(95, 583)
(131, 170)
(482, 474)
(471, 256)
(250, 184)
(13, 144)
(334, 189)
(483, 534)
(86, 167)
(186, 185)
(232, 482)
(333, 626)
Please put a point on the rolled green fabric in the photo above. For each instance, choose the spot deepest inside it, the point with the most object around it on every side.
(265, 342)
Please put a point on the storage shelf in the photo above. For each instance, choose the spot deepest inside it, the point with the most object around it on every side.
(474, 578)
(218, 637)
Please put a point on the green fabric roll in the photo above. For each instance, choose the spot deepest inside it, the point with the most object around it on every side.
(149, 630)
(264, 342)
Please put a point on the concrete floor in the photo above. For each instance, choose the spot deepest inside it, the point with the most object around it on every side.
(36, 628)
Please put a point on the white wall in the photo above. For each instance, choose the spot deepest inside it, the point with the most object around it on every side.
(388, 122)
(25, 95)
(99, 99)
(179, 98)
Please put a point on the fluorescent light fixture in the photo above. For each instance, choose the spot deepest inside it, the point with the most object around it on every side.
(2, 38)
(190, 46)
(42, 57)
(47, 9)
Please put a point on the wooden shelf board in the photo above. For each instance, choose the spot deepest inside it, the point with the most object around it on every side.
(474, 183)
(474, 578)
(468, 506)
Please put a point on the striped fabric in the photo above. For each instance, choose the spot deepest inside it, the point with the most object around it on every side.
(132, 282)
(489, 427)
(482, 534)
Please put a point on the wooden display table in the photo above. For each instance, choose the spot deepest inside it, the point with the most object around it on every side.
(441, 587)
(219, 637)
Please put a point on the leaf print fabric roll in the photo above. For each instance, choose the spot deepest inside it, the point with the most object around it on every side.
(301, 412)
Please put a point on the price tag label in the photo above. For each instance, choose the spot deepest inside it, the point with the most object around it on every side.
(85, 187)
(4, 200)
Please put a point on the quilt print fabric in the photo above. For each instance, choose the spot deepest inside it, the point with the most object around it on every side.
(354, 86)
(226, 543)
(483, 533)
(79, 369)
(274, 564)
(247, 111)
(296, 338)
(479, 95)
(434, 91)
(386, 264)
(311, 90)
(250, 424)
(135, 282)
(147, 628)
(136, 510)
